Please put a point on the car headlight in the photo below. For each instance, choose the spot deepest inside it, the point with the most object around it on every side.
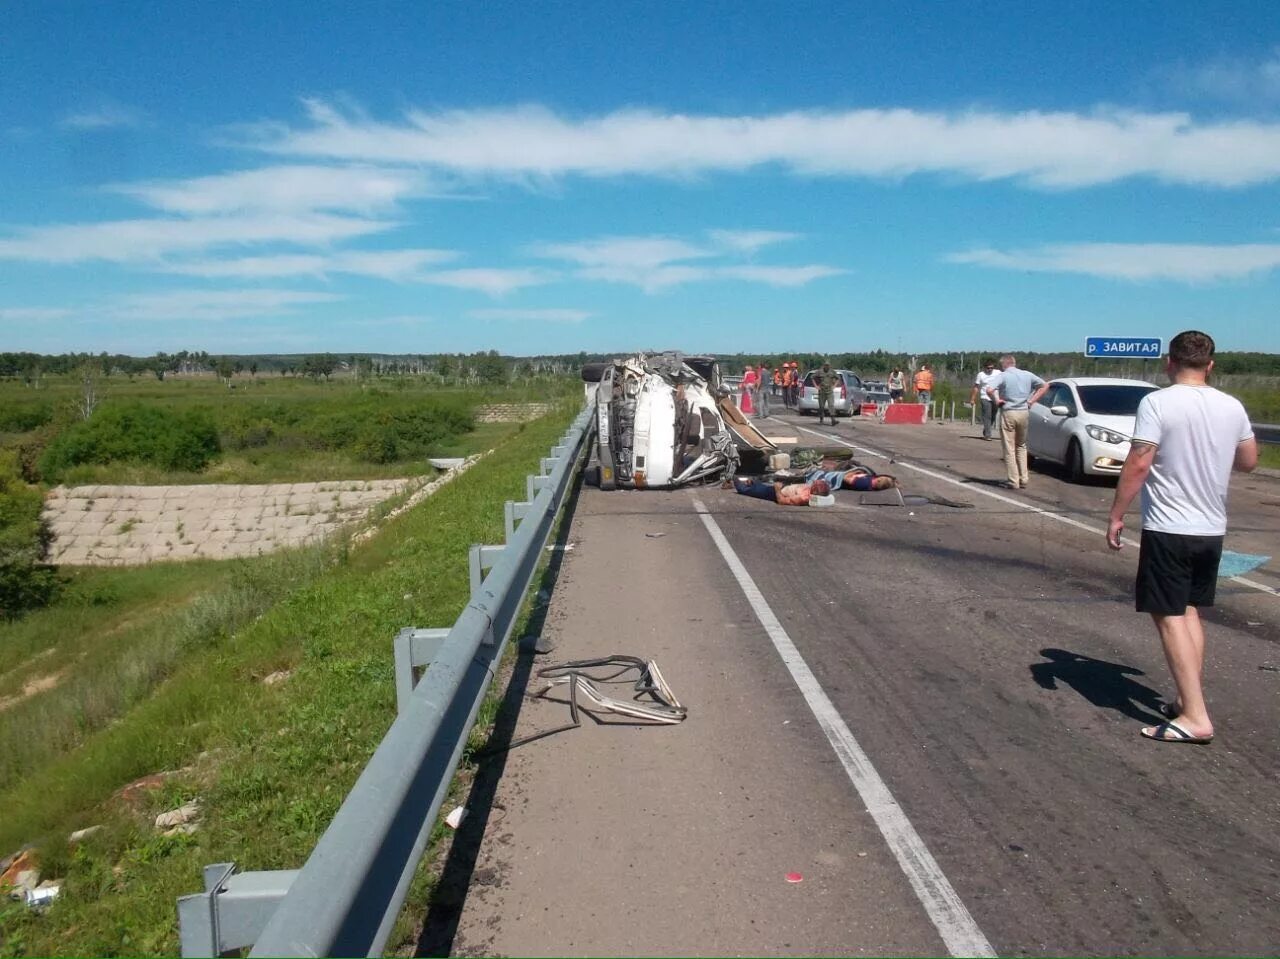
(1105, 435)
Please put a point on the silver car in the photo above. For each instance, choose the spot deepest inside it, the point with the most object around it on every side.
(847, 399)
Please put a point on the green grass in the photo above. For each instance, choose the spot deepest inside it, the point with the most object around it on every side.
(278, 429)
(271, 764)
(1269, 456)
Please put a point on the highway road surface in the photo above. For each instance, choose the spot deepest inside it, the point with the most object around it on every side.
(929, 714)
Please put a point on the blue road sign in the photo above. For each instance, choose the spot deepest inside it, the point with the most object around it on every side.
(1123, 347)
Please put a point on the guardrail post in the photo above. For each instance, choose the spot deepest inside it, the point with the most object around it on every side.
(414, 648)
(513, 513)
(533, 484)
(232, 910)
(481, 559)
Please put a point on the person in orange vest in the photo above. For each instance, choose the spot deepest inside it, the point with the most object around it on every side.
(923, 384)
(777, 381)
(788, 377)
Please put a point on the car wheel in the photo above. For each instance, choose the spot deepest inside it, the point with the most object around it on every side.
(1075, 462)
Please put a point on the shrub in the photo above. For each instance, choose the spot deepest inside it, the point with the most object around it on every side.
(135, 432)
(20, 418)
(25, 582)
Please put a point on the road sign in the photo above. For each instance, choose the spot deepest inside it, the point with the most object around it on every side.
(1123, 347)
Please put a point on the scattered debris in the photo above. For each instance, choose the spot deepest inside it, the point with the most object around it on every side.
(81, 834)
(655, 535)
(664, 709)
(794, 877)
(43, 894)
(1267, 667)
(455, 817)
(177, 817)
(133, 793)
(22, 874)
(1252, 623)
(557, 548)
(279, 676)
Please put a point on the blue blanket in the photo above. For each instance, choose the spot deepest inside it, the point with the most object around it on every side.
(1237, 564)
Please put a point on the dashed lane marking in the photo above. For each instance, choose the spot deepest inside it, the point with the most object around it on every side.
(941, 902)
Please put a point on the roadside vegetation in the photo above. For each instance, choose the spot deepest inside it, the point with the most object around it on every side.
(172, 660)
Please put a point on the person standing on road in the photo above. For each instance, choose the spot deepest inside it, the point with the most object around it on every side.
(825, 381)
(897, 386)
(1015, 391)
(1187, 439)
(777, 381)
(922, 383)
(747, 406)
(795, 385)
(762, 391)
(978, 394)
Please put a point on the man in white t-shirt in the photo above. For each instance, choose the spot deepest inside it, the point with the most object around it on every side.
(1186, 441)
(989, 410)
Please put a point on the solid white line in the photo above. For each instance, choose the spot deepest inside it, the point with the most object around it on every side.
(941, 477)
(949, 916)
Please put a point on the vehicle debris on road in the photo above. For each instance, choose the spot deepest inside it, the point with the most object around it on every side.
(665, 420)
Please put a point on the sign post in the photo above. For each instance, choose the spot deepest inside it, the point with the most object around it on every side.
(1123, 347)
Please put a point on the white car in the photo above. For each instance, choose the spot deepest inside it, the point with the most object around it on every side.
(1085, 423)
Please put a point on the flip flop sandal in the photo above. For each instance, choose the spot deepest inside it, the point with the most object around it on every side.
(1171, 732)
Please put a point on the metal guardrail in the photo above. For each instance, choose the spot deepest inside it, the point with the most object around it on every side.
(346, 899)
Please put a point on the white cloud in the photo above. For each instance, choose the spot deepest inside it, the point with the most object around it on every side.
(656, 263)
(778, 275)
(289, 189)
(537, 316)
(1180, 262)
(495, 282)
(213, 305)
(124, 241)
(1058, 150)
(623, 251)
(749, 241)
(32, 314)
(107, 116)
(394, 265)
(1232, 80)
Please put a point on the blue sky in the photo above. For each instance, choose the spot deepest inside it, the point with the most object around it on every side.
(553, 177)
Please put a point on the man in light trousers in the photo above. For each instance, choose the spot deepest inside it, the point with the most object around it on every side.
(1014, 391)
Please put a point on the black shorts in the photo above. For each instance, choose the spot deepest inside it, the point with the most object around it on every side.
(1176, 571)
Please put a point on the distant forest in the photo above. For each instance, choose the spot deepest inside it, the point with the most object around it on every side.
(492, 367)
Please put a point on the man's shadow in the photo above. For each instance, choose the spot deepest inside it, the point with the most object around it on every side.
(1102, 683)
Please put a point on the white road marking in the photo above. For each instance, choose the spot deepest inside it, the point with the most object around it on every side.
(945, 909)
(941, 477)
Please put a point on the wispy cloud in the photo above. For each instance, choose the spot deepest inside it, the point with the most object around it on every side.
(33, 314)
(1048, 150)
(126, 241)
(535, 316)
(399, 266)
(656, 263)
(1228, 79)
(493, 281)
(214, 305)
(290, 189)
(1179, 262)
(107, 115)
(749, 241)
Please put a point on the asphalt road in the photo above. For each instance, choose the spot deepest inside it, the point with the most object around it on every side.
(988, 662)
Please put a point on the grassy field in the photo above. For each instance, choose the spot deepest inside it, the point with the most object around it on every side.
(269, 763)
(271, 428)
